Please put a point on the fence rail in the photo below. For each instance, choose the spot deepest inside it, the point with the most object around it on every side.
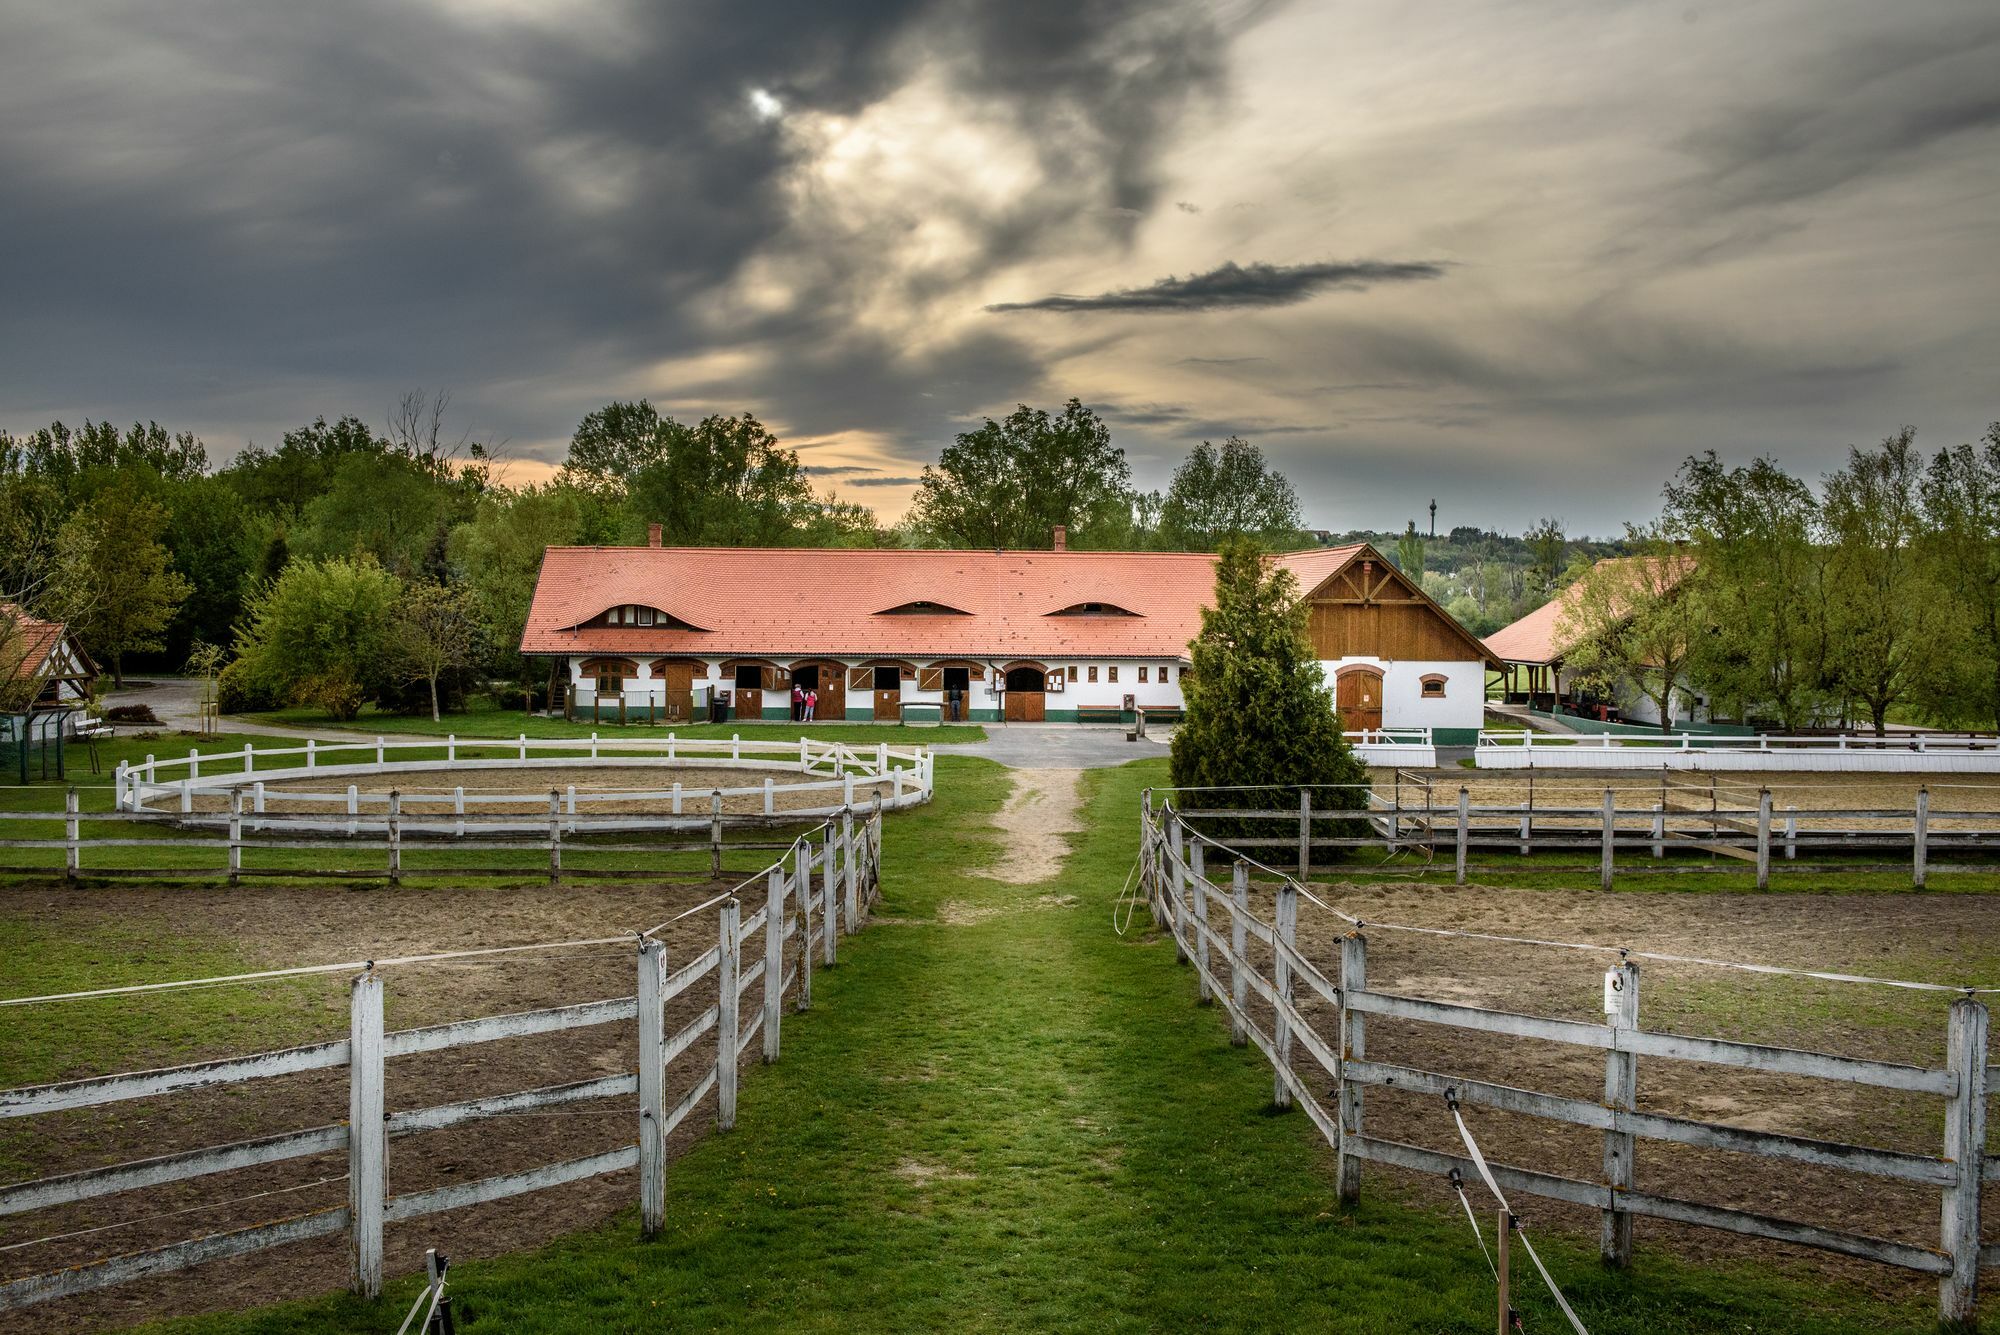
(1184, 901)
(1672, 828)
(1903, 753)
(817, 891)
(903, 775)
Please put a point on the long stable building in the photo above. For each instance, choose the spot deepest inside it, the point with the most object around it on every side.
(656, 632)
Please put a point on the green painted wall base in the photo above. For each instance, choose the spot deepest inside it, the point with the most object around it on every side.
(1455, 736)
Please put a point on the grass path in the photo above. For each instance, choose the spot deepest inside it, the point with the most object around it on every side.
(1000, 1116)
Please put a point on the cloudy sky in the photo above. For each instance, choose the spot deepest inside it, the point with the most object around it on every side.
(1518, 256)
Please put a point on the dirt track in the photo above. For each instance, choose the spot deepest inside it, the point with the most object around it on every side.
(278, 927)
(1952, 940)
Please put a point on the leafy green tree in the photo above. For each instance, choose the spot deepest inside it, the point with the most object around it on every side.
(432, 631)
(725, 481)
(1259, 712)
(497, 554)
(1885, 610)
(112, 582)
(1753, 533)
(1229, 492)
(1547, 547)
(319, 635)
(217, 542)
(1635, 623)
(286, 480)
(1410, 553)
(1961, 553)
(389, 507)
(68, 457)
(1009, 483)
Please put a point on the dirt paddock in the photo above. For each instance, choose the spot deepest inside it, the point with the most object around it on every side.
(1952, 940)
(275, 927)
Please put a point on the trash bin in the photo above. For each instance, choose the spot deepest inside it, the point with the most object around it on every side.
(718, 707)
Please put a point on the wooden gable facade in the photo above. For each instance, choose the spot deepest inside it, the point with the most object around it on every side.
(1369, 609)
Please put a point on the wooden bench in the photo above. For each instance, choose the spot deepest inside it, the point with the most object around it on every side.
(1099, 714)
(94, 729)
(1163, 713)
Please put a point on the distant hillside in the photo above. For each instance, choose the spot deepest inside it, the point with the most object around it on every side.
(1487, 579)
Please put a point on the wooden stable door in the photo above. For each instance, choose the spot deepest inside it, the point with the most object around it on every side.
(832, 688)
(1026, 706)
(1357, 693)
(677, 683)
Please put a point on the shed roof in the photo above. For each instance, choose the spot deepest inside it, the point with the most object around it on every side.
(1537, 638)
(39, 639)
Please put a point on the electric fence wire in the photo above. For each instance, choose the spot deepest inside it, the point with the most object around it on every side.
(1486, 1174)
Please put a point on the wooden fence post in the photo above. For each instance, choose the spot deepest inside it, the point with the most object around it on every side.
(1791, 834)
(1610, 834)
(1503, 1268)
(1200, 938)
(458, 810)
(802, 892)
(235, 835)
(1239, 938)
(1305, 833)
(1965, 1150)
(774, 957)
(1621, 1086)
(830, 917)
(1464, 832)
(1287, 925)
(555, 838)
(715, 836)
(353, 810)
(726, 1023)
(1353, 1047)
(1177, 890)
(652, 1088)
(851, 867)
(1764, 839)
(367, 1139)
(1920, 832)
(395, 837)
(1395, 814)
(72, 845)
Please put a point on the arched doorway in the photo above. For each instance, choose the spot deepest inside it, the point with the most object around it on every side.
(1357, 694)
(827, 678)
(1026, 702)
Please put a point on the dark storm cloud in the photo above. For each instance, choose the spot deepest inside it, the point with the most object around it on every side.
(1867, 105)
(1237, 285)
(884, 481)
(319, 203)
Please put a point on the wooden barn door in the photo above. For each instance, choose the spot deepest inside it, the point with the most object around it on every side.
(1357, 693)
(832, 695)
(678, 688)
(1026, 702)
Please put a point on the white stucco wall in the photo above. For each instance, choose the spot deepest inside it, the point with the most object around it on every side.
(1463, 704)
(642, 686)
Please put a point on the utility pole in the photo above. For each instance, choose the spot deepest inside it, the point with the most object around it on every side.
(1434, 517)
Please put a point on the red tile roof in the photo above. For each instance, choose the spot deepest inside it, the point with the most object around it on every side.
(1536, 637)
(789, 602)
(38, 639)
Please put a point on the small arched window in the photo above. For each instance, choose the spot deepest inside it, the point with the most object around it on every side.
(1434, 686)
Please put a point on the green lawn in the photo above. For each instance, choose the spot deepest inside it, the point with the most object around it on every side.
(484, 720)
(1023, 1122)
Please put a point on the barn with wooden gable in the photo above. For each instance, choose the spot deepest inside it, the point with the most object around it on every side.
(660, 633)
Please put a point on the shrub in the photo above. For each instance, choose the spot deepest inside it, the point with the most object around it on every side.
(237, 692)
(139, 714)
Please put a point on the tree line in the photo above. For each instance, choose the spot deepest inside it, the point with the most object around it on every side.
(353, 564)
(1874, 597)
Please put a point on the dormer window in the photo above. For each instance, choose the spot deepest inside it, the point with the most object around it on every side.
(640, 614)
(1093, 609)
(923, 607)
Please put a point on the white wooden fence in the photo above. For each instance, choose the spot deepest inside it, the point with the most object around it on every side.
(1911, 753)
(903, 775)
(817, 891)
(1675, 827)
(372, 839)
(1296, 1037)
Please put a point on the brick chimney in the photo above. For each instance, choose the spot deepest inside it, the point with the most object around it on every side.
(1062, 538)
(652, 535)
